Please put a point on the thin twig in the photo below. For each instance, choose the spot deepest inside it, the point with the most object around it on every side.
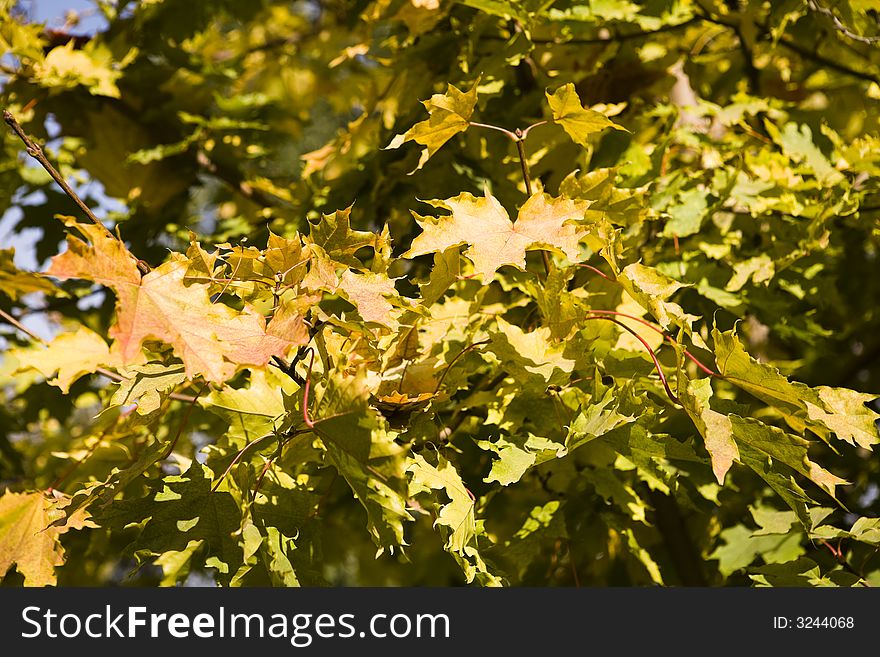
(825, 61)
(520, 149)
(794, 47)
(525, 131)
(36, 152)
(669, 338)
(647, 347)
(489, 126)
(595, 270)
(182, 424)
(527, 179)
(454, 360)
(309, 423)
(838, 24)
(237, 459)
(21, 327)
(842, 560)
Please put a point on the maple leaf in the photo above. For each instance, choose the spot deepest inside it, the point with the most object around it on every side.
(651, 289)
(285, 257)
(29, 537)
(824, 410)
(211, 339)
(16, 283)
(716, 428)
(731, 437)
(145, 385)
(532, 356)
(70, 355)
(340, 243)
(365, 454)
(181, 514)
(577, 121)
(623, 207)
(493, 239)
(457, 516)
(450, 113)
(368, 293)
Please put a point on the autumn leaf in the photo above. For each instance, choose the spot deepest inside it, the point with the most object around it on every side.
(457, 516)
(652, 290)
(340, 243)
(211, 339)
(824, 410)
(624, 207)
(577, 121)
(68, 357)
(716, 428)
(145, 385)
(27, 539)
(732, 438)
(533, 357)
(450, 113)
(15, 283)
(493, 240)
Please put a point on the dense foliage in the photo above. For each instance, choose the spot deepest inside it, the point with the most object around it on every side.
(599, 310)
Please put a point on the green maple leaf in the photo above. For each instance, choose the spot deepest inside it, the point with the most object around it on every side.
(596, 419)
(364, 454)
(450, 114)
(252, 412)
(457, 515)
(652, 289)
(181, 515)
(338, 242)
(760, 446)
(823, 409)
(493, 240)
(740, 546)
(533, 356)
(623, 207)
(445, 272)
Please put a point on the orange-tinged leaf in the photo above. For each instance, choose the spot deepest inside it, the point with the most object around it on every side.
(368, 293)
(211, 339)
(493, 239)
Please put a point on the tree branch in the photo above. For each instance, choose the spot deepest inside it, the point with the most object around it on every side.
(613, 38)
(838, 24)
(36, 152)
(795, 48)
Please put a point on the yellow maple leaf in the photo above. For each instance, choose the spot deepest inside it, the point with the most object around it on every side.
(493, 240)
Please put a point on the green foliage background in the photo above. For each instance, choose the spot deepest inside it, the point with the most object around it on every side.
(737, 208)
